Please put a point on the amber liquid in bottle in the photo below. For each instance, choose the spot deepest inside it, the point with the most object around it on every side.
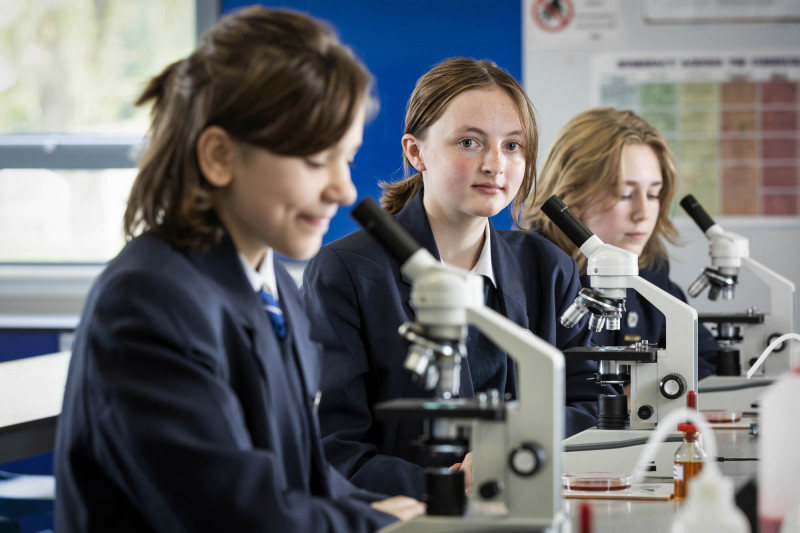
(690, 469)
(688, 463)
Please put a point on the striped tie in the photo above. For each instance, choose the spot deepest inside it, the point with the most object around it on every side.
(274, 311)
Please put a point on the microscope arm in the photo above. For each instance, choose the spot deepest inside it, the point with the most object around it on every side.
(682, 319)
(777, 322)
(540, 412)
(781, 289)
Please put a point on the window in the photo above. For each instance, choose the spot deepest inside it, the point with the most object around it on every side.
(70, 72)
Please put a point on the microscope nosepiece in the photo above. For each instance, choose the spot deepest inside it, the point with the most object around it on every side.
(573, 314)
(596, 322)
(728, 292)
(713, 293)
(420, 362)
(698, 285)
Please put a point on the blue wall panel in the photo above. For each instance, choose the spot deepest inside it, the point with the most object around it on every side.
(400, 41)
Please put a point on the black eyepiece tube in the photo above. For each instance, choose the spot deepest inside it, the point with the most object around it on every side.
(696, 211)
(559, 213)
(387, 232)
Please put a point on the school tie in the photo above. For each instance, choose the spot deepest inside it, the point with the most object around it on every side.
(274, 311)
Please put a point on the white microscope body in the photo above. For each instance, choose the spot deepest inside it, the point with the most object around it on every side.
(516, 446)
(657, 387)
(729, 252)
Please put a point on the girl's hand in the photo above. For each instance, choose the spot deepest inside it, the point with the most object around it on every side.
(401, 507)
(466, 466)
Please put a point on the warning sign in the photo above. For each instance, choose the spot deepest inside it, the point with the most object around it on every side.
(553, 15)
(560, 24)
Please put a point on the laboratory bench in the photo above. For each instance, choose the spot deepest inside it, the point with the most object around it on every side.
(32, 389)
(626, 516)
(31, 393)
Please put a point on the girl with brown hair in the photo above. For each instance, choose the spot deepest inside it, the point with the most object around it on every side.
(189, 401)
(471, 140)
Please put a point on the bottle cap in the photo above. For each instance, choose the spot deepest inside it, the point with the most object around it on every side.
(687, 428)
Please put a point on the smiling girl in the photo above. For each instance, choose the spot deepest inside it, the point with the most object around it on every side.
(189, 401)
(470, 140)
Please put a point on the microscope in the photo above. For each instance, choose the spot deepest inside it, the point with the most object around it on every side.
(516, 446)
(741, 336)
(659, 377)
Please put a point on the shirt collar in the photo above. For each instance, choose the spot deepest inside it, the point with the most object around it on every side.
(265, 275)
(484, 265)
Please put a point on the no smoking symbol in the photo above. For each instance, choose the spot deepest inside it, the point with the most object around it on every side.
(552, 15)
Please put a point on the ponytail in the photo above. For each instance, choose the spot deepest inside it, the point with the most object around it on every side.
(274, 79)
(396, 195)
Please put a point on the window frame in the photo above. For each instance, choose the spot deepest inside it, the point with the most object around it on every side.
(50, 296)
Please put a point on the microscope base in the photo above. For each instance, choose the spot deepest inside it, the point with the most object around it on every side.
(734, 393)
(472, 523)
(617, 450)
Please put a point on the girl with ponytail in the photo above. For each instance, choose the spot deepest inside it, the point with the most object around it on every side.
(188, 405)
(470, 140)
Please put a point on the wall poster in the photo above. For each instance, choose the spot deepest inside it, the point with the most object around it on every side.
(731, 118)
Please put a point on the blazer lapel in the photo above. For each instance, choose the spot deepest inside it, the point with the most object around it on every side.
(509, 278)
(221, 263)
(299, 328)
(415, 221)
(508, 275)
(309, 365)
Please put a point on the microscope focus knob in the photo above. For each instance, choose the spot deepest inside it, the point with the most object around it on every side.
(673, 386)
(526, 458)
(778, 348)
(490, 489)
(645, 412)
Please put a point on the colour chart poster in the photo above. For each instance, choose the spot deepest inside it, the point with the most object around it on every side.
(731, 118)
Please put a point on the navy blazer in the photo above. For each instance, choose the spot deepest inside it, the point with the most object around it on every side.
(357, 297)
(642, 321)
(178, 416)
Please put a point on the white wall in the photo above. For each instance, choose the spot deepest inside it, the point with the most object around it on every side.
(559, 79)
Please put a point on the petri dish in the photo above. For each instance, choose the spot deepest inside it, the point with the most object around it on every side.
(720, 416)
(596, 482)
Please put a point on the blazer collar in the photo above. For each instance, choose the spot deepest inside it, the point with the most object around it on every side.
(299, 329)
(509, 278)
(414, 220)
(221, 263)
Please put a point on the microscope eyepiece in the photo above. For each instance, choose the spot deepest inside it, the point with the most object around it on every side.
(388, 232)
(696, 211)
(557, 211)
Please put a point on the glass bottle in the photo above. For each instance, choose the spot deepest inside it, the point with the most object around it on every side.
(688, 460)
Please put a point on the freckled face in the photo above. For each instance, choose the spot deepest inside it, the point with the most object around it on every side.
(629, 224)
(472, 159)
